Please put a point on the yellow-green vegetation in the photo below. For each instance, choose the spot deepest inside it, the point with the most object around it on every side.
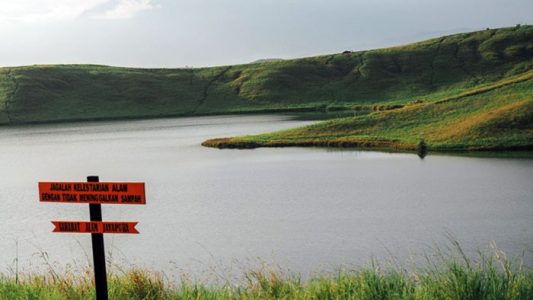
(498, 116)
(358, 82)
(492, 277)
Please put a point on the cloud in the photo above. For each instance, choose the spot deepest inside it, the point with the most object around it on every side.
(39, 11)
(126, 9)
(33, 11)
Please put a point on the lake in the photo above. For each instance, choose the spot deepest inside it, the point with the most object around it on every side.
(216, 213)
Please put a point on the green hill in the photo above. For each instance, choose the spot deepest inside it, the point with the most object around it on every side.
(494, 117)
(361, 82)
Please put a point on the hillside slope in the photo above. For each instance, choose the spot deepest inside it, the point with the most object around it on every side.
(384, 78)
(495, 117)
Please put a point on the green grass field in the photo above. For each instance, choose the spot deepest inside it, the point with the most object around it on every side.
(490, 117)
(491, 277)
(357, 81)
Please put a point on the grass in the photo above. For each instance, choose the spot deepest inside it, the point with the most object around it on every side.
(452, 277)
(498, 116)
(470, 91)
(363, 81)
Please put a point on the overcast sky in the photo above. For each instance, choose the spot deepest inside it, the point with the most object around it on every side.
(178, 33)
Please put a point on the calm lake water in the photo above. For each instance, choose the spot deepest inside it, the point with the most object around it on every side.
(216, 212)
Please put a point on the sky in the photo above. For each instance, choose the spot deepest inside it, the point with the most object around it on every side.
(198, 33)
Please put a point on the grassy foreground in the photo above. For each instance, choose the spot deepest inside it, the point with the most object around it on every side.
(491, 278)
(353, 81)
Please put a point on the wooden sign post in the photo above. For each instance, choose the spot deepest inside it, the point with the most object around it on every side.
(97, 239)
(95, 193)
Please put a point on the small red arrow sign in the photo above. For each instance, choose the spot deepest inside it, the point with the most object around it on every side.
(95, 227)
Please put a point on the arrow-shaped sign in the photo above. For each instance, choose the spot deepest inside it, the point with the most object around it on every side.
(94, 227)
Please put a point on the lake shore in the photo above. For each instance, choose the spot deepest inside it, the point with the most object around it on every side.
(356, 144)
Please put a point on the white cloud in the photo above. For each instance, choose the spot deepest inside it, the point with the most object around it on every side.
(33, 11)
(126, 9)
(38, 11)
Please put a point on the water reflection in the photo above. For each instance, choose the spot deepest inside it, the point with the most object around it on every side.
(304, 209)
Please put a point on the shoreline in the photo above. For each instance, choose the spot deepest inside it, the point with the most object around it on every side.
(383, 145)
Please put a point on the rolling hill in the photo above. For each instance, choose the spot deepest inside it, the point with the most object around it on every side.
(359, 82)
(494, 117)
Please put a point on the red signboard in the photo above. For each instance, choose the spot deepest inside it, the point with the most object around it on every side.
(94, 227)
(93, 192)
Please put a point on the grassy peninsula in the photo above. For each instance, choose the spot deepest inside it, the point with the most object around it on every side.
(498, 116)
